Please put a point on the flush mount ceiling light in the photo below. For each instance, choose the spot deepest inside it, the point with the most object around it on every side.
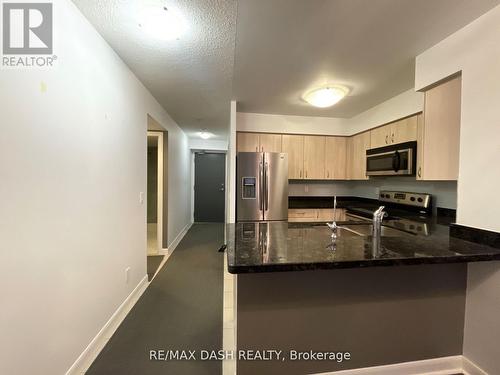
(162, 23)
(325, 96)
(205, 135)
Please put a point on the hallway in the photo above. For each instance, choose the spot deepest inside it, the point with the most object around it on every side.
(180, 310)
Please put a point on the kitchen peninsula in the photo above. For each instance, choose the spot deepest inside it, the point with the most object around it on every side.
(299, 289)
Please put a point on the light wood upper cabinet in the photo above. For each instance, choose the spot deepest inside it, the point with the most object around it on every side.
(335, 158)
(314, 157)
(270, 142)
(439, 132)
(436, 131)
(294, 146)
(381, 136)
(356, 156)
(401, 131)
(255, 142)
(420, 146)
(404, 130)
(247, 142)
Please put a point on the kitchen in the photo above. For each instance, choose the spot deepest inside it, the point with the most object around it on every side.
(350, 225)
(314, 273)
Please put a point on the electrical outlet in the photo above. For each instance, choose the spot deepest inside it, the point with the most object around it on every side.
(127, 274)
(141, 197)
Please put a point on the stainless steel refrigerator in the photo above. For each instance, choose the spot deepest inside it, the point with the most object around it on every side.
(262, 186)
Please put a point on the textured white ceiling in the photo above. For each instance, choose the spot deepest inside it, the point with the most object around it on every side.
(190, 77)
(285, 47)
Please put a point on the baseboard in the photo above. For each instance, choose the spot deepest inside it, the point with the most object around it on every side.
(85, 359)
(163, 251)
(179, 238)
(435, 366)
(470, 368)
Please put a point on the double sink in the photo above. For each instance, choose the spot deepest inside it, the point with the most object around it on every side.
(353, 228)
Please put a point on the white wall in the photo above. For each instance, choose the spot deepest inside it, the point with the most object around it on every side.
(268, 123)
(475, 51)
(404, 104)
(207, 144)
(72, 164)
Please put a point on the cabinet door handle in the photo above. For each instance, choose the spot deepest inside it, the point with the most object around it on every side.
(262, 148)
(257, 149)
(392, 139)
(386, 139)
(300, 174)
(306, 174)
(419, 173)
(327, 174)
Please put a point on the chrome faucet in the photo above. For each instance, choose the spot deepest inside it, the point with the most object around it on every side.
(333, 226)
(378, 216)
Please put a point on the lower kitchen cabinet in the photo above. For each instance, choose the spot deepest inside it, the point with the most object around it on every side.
(302, 215)
(315, 214)
(326, 214)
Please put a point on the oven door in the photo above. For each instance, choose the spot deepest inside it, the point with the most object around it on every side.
(395, 160)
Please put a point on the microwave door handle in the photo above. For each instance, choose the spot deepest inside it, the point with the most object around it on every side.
(396, 161)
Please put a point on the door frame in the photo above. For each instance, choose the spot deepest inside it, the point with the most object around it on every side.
(159, 188)
(193, 154)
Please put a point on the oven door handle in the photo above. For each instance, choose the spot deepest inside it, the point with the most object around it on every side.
(396, 161)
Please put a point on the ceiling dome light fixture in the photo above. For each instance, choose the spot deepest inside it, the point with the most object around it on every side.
(162, 23)
(325, 96)
(205, 135)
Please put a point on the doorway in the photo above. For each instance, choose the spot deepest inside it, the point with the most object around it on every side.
(154, 201)
(209, 187)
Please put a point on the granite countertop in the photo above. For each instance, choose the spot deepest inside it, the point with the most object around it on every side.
(284, 246)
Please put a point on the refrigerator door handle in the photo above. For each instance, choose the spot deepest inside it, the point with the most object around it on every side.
(266, 187)
(261, 187)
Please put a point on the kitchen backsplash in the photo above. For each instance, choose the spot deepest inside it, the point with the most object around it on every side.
(444, 193)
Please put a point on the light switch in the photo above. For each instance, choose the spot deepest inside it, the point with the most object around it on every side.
(141, 197)
(127, 275)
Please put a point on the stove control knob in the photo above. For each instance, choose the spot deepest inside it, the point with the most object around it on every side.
(420, 200)
(412, 199)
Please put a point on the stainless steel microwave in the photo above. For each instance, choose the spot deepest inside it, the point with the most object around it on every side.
(394, 160)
